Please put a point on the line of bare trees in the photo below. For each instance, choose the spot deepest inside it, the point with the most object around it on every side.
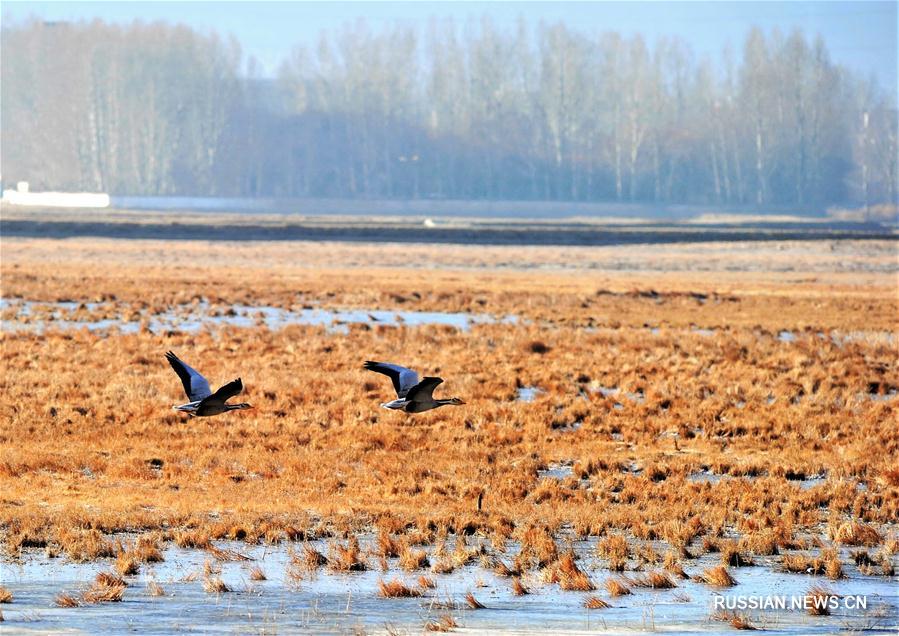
(475, 112)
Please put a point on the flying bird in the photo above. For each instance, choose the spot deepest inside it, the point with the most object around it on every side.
(203, 402)
(413, 396)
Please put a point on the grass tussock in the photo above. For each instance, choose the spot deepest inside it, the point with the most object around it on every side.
(412, 559)
(654, 580)
(569, 576)
(309, 558)
(192, 539)
(819, 600)
(154, 588)
(397, 589)
(426, 582)
(257, 574)
(518, 588)
(716, 576)
(215, 585)
(107, 588)
(5, 595)
(445, 623)
(110, 579)
(730, 555)
(857, 534)
(127, 564)
(594, 602)
(617, 587)
(346, 558)
(734, 619)
(66, 600)
(473, 603)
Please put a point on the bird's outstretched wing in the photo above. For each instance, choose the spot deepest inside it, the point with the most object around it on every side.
(424, 390)
(403, 379)
(228, 391)
(195, 385)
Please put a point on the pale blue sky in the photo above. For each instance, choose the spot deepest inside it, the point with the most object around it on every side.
(860, 35)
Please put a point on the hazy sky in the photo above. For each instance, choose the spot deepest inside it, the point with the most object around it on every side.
(860, 35)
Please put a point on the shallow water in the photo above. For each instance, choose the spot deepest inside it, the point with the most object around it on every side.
(527, 393)
(557, 470)
(328, 602)
(196, 317)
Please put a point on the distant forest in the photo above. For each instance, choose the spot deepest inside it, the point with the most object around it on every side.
(443, 111)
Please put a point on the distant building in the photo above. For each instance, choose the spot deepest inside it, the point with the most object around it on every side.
(22, 195)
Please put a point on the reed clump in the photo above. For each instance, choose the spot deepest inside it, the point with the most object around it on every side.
(66, 600)
(397, 589)
(346, 558)
(717, 576)
(617, 587)
(820, 600)
(215, 585)
(473, 603)
(445, 623)
(594, 602)
(735, 619)
(107, 588)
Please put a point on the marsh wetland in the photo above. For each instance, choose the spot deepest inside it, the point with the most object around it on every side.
(641, 442)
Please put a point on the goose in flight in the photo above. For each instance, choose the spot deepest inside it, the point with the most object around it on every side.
(413, 396)
(203, 402)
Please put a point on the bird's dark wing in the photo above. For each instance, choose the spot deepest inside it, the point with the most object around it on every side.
(195, 385)
(403, 379)
(423, 391)
(228, 391)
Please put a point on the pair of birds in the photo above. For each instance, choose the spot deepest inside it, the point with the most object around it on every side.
(412, 395)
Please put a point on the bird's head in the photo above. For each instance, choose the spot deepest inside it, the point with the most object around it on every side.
(456, 401)
(239, 407)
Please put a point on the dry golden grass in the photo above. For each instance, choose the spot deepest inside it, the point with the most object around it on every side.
(717, 576)
(107, 588)
(127, 564)
(518, 588)
(426, 582)
(569, 576)
(5, 595)
(67, 600)
(445, 623)
(654, 580)
(215, 585)
(737, 621)
(856, 533)
(110, 580)
(594, 602)
(617, 587)
(412, 559)
(818, 600)
(473, 603)
(346, 558)
(257, 574)
(154, 588)
(85, 454)
(397, 589)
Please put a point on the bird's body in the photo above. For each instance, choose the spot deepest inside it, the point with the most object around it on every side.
(203, 402)
(413, 396)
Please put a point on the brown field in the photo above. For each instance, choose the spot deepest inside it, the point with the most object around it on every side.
(89, 444)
